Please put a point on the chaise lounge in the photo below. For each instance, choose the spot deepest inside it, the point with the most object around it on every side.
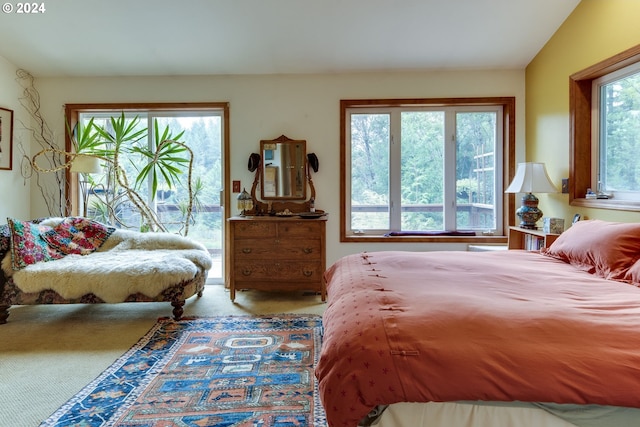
(79, 261)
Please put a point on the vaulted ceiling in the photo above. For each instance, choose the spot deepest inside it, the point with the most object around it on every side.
(202, 37)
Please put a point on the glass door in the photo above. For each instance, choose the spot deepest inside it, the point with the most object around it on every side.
(203, 134)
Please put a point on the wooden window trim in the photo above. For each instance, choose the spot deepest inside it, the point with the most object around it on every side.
(580, 155)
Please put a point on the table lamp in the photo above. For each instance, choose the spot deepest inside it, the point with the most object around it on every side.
(84, 165)
(530, 178)
(245, 202)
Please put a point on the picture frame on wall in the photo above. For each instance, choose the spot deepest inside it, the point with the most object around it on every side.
(6, 139)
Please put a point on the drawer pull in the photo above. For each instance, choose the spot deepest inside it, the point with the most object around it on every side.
(246, 250)
(307, 250)
(246, 272)
(307, 273)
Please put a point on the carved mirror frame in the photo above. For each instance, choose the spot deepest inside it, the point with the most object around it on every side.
(264, 205)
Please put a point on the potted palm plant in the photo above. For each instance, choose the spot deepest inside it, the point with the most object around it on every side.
(134, 170)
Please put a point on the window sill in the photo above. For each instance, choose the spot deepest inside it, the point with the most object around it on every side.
(485, 240)
(621, 205)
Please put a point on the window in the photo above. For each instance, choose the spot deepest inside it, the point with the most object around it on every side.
(604, 105)
(424, 166)
(617, 133)
(204, 132)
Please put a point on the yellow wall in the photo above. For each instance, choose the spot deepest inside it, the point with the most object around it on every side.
(596, 30)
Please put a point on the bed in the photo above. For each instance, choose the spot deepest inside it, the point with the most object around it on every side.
(512, 338)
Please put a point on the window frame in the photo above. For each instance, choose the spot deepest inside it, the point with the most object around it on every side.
(581, 144)
(508, 167)
(598, 116)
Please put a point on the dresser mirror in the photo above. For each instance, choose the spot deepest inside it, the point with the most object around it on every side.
(282, 180)
(283, 169)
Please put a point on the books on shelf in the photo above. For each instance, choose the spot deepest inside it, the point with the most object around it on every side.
(533, 242)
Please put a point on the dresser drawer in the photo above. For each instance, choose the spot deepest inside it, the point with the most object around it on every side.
(307, 229)
(255, 229)
(277, 249)
(297, 271)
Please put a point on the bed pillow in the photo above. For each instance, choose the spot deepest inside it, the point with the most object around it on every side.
(606, 249)
(633, 274)
(5, 236)
(27, 245)
(76, 235)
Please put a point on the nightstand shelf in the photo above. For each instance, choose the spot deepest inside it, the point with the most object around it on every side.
(532, 240)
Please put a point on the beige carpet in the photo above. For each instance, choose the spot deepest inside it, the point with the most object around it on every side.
(48, 353)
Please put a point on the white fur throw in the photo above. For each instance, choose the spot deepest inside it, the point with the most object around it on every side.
(127, 263)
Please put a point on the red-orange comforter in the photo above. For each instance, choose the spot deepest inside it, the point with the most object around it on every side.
(490, 326)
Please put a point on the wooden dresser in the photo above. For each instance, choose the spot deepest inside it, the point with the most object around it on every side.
(277, 254)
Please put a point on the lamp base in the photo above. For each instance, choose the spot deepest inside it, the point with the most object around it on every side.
(529, 213)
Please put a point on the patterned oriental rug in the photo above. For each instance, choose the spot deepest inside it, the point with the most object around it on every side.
(227, 371)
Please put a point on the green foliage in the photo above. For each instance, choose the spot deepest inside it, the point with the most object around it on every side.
(422, 169)
(422, 157)
(124, 136)
(122, 144)
(165, 160)
(622, 135)
(121, 135)
(84, 138)
(369, 157)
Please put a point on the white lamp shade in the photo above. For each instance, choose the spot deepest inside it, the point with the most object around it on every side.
(531, 178)
(86, 164)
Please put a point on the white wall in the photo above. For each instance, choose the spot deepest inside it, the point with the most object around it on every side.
(14, 193)
(298, 106)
